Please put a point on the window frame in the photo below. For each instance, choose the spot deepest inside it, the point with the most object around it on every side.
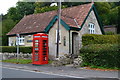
(91, 28)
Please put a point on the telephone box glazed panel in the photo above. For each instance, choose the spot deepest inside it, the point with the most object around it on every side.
(40, 49)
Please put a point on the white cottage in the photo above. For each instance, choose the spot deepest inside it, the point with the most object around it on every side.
(75, 21)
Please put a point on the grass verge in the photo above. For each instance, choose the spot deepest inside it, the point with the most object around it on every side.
(19, 61)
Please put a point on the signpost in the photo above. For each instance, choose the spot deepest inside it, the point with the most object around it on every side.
(18, 36)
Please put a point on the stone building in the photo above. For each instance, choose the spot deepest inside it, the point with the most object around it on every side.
(75, 21)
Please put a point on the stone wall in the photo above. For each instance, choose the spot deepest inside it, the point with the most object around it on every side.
(14, 55)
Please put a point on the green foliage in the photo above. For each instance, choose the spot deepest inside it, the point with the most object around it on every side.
(41, 4)
(25, 8)
(0, 33)
(14, 14)
(108, 12)
(105, 55)
(46, 9)
(22, 9)
(7, 25)
(113, 16)
(13, 49)
(0, 28)
(19, 61)
(70, 4)
(100, 39)
(103, 9)
(118, 26)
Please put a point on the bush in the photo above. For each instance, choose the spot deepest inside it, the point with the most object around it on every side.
(105, 55)
(13, 49)
(100, 39)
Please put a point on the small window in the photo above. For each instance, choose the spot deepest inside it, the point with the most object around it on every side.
(91, 28)
(59, 36)
(64, 40)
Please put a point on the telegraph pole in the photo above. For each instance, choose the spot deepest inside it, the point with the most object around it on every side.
(58, 36)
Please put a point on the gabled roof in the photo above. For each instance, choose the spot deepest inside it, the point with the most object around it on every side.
(42, 22)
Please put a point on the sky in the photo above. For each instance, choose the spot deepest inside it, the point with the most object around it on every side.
(6, 4)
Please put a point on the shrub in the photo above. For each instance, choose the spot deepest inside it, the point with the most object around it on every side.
(13, 49)
(100, 39)
(105, 55)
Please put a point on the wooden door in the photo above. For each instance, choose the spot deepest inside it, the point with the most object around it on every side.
(75, 43)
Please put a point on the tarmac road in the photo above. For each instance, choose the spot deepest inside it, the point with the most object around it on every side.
(15, 74)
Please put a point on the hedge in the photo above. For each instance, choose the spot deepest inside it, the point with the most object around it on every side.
(104, 55)
(13, 49)
(100, 39)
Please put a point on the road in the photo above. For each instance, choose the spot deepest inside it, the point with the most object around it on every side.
(17, 73)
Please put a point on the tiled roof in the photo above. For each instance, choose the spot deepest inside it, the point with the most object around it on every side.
(38, 22)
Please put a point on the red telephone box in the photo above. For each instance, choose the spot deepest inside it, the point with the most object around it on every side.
(40, 49)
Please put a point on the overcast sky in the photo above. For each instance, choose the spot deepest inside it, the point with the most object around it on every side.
(6, 4)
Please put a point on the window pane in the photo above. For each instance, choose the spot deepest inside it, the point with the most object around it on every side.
(91, 26)
(36, 40)
(36, 48)
(36, 44)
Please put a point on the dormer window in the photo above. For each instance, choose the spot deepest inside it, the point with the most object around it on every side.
(91, 28)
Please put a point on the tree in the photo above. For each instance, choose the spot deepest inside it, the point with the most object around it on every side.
(70, 4)
(103, 9)
(7, 25)
(113, 16)
(14, 14)
(25, 8)
(118, 26)
(22, 9)
(41, 7)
